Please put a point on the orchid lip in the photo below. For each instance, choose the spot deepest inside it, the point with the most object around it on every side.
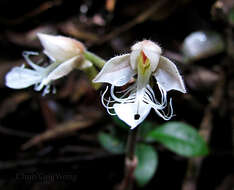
(144, 104)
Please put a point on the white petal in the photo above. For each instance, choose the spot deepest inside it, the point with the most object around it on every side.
(19, 77)
(167, 75)
(129, 112)
(59, 47)
(133, 58)
(62, 70)
(153, 57)
(116, 71)
(147, 45)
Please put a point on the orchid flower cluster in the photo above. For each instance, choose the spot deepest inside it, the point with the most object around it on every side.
(132, 72)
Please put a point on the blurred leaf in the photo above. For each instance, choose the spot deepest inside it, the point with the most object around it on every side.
(111, 143)
(144, 130)
(147, 164)
(202, 44)
(180, 138)
(231, 16)
(120, 123)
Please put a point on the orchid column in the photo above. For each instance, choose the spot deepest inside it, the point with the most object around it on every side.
(133, 104)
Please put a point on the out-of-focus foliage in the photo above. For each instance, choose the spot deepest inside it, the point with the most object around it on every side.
(180, 138)
(147, 159)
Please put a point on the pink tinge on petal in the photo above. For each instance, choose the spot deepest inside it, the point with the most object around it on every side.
(60, 48)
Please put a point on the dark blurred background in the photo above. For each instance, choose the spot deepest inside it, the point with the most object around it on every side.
(51, 142)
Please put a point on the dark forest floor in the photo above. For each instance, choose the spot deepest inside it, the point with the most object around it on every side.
(51, 142)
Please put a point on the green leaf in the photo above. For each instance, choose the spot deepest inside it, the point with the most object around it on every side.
(111, 143)
(180, 138)
(231, 16)
(147, 164)
(120, 123)
(144, 130)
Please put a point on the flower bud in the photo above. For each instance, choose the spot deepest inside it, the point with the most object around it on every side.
(60, 48)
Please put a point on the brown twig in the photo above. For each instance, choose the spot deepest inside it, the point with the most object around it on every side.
(110, 5)
(42, 8)
(194, 164)
(137, 20)
(227, 184)
(16, 133)
(11, 165)
(48, 114)
(78, 123)
(11, 103)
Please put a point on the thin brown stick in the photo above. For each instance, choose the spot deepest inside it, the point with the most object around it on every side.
(137, 20)
(13, 132)
(130, 161)
(194, 164)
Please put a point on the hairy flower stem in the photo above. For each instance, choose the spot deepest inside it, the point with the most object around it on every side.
(130, 161)
(96, 60)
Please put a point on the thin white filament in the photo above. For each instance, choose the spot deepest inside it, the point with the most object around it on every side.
(123, 100)
(106, 105)
(131, 95)
(26, 55)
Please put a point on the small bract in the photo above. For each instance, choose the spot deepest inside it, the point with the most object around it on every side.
(133, 104)
(65, 54)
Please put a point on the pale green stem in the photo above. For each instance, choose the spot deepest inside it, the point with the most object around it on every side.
(96, 60)
(91, 72)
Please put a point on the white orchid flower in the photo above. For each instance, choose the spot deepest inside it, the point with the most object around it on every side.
(65, 54)
(133, 104)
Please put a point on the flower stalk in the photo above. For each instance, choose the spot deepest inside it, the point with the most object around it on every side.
(96, 60)
(91, 72)
(130, 161)
(131, 144)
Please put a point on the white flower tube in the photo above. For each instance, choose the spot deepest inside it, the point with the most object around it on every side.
(133, 104)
